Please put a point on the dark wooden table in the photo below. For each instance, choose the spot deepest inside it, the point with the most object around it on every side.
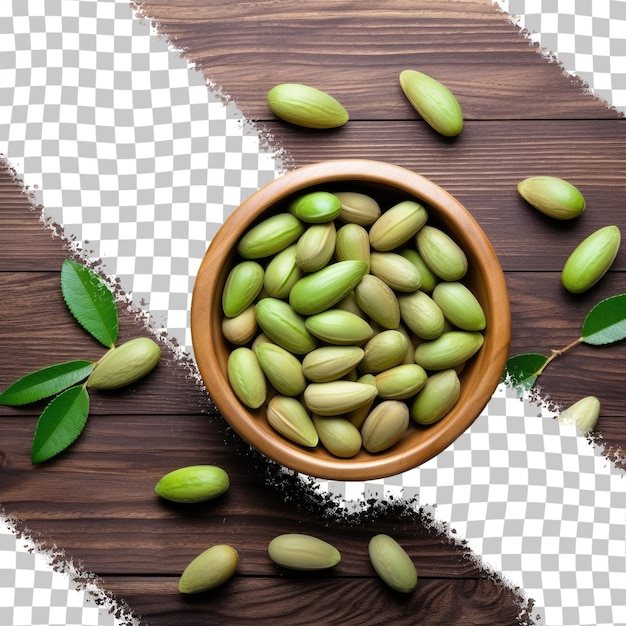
(523, 117)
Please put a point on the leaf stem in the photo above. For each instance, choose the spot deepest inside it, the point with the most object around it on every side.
(556, 353)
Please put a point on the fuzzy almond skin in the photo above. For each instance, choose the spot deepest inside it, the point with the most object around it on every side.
(302, 552)
(591, 259)
(246, 377)
(316, 207)
(437, 397)
(552, 196)
(194, 483)
(433, 101)
(125, 364)
(306, 106)
(584, 414)
(324, 288)
(242, 286)
(392, 563)
(209, 570)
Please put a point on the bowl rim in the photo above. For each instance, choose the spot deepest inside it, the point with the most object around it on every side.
(204, 328)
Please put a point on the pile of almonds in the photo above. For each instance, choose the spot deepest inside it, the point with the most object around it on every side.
(294, 551)
(349, 321)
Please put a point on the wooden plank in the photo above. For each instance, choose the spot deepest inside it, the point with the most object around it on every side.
(302, 600)
(481, 168)
(356, 52)
(21, 222)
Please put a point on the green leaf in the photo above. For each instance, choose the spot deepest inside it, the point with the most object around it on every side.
(606, 322)
(522, 370)
(91, 301)
(60, 423)
(46, 382)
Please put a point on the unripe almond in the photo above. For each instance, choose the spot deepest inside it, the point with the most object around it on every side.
(378, 300)
(242, 328)
(385, 425)
(316, 247)
(125, 364)
(397, 225)
(392, 563)
(316, 207)
(337, 397)
(270, 236)
(246, 377)
(395, 270)
(284, 326)
(209, 570)
(384, 350)
(298, 551)
(306, 106)
(584, 414)
(282, 273)
(459, 305)
(242, 286)
(352, 243)
(448, 350)
(194, 483)
(358, 208)
(433, 101)
(282, 368)
(322, 289)
(553, 196)
(441, 253)
(290, 418)
(339, 327)
(338, 435)
(437, 397)
(591, 259)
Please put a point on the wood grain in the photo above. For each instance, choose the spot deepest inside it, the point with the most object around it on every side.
(523, 117)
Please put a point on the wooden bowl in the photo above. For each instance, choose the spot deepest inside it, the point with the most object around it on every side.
(388, 184)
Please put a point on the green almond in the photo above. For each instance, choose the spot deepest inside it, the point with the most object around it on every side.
(289, 417)
(246, 377)
(322, 289)
(209, 570)
(339, 327)
(358, 208)
(193, 483)
(433, 101)
(553, 196)
(448, 350)
(316, 247)
(591, 259)
(306, 106)
(441, 253)
(316, 207)
(459, 305)
(282, 273)
(438, 396)
(298, 551)
(282, 368)
(243, 284)
(330, 362)
(284, 326)
(392, 563)
(270, 236)
(337, 397)
(397, 225)
(338, 435)
(125, 364)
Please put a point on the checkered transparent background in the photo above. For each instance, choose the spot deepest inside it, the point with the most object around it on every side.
(140, 161)
(587, 37)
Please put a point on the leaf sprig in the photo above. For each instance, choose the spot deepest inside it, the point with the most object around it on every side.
(604, 324)
(92, 303)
